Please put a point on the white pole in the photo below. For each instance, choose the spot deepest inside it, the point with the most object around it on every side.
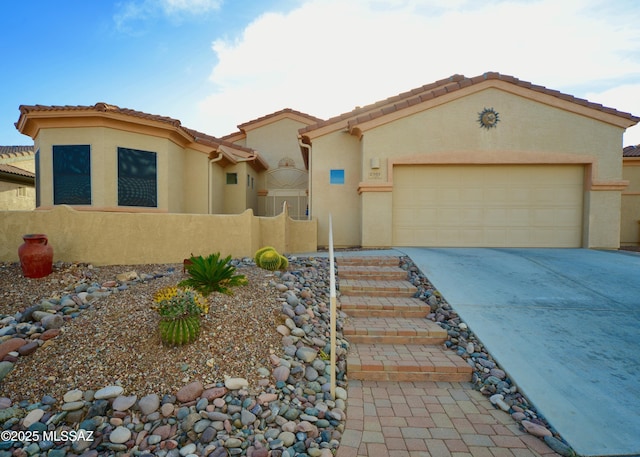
(333, 312)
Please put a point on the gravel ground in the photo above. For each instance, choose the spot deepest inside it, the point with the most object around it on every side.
(116, 341)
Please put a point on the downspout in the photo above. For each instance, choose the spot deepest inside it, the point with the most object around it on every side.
(211, 161)
(308, 148)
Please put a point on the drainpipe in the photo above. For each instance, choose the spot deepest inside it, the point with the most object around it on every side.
(210, 178)
(308, 148)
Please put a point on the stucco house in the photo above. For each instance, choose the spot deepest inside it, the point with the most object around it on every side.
(17, 178)
(484, 161)
(630, 227)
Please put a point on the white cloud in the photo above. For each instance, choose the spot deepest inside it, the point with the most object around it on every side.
(327, 56)
(625, 98)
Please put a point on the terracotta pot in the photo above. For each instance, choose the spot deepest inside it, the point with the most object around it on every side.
(36, 256)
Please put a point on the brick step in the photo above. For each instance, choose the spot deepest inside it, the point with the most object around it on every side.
(363, 306)
(405, 362)
(393, 330)
(377, 261)
(372, 272)
(377, 288)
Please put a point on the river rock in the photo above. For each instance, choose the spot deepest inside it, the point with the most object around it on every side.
(11, 345)
(127, 276)
(281, 373)
(214, 392)
(52, 321)
(535, 429)
(5, 369)
(190, 392)
(120, 435)
(122, 403)
(108, 392)
(34, 416)
(306, 354)
(558, 446)
(149, 404)
(29, 348)
(236, 383)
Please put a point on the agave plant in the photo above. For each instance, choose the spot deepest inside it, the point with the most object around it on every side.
(212, 274)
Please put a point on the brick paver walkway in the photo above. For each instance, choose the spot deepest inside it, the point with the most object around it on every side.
(430, 419)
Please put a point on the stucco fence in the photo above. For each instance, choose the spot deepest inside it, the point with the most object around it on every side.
(112, 238)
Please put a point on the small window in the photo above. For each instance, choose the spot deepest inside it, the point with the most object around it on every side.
(232, 178)
(137, 178)
(248, 180)
(37, 178)
(336, 177)
(21, 191)
(252, 182)
(72, 175)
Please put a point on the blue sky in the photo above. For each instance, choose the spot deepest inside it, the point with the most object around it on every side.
(215, 64)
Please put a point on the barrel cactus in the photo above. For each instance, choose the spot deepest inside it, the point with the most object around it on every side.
(179, 310)
(270, 260)
(284, 263)
(179, 331)
(259, 253)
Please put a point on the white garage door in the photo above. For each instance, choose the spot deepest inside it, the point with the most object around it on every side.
(488, 205)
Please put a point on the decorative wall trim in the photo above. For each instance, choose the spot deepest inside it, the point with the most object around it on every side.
(375, 187)
(610, 185)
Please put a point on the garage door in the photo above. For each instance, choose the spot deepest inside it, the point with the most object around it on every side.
(488, 206)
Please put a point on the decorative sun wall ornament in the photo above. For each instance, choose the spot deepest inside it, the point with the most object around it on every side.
(488, 118)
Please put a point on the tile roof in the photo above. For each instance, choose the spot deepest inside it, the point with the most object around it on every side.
(10, 152)
(10, 169)
(313, 119)
(442, 87)
(194, 135)
(101, 107)
(631, 151)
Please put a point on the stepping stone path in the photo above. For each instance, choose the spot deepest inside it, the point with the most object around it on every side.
(390, 338)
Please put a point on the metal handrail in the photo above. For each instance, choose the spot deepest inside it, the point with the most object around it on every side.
(333, 312)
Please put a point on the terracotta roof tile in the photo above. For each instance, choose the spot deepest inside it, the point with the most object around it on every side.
(278, 113)
(631, 151)
(102, 107)
(8, 152)
(445, 86)
(197, 137)
(10, 169)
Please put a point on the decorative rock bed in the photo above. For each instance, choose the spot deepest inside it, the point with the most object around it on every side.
(290, 412)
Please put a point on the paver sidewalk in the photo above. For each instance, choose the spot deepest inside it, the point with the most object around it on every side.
(430, 419)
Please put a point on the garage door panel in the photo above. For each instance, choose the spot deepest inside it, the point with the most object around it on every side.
(497, 205)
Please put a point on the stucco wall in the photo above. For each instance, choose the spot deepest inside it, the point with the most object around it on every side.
(277, 140)
(528, 132)
(107, 238)
(630, 226)
(336, 151)
(13, 199)
(104, 144)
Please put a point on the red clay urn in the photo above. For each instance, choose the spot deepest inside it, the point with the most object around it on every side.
(36, 256)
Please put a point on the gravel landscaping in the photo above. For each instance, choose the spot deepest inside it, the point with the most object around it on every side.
(80, 350)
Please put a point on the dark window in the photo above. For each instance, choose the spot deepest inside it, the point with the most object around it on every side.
(72, 175)
(137, 178)
(232, 178)
(37, 178)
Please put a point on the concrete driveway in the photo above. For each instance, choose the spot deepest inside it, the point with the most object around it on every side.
(564, 324)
